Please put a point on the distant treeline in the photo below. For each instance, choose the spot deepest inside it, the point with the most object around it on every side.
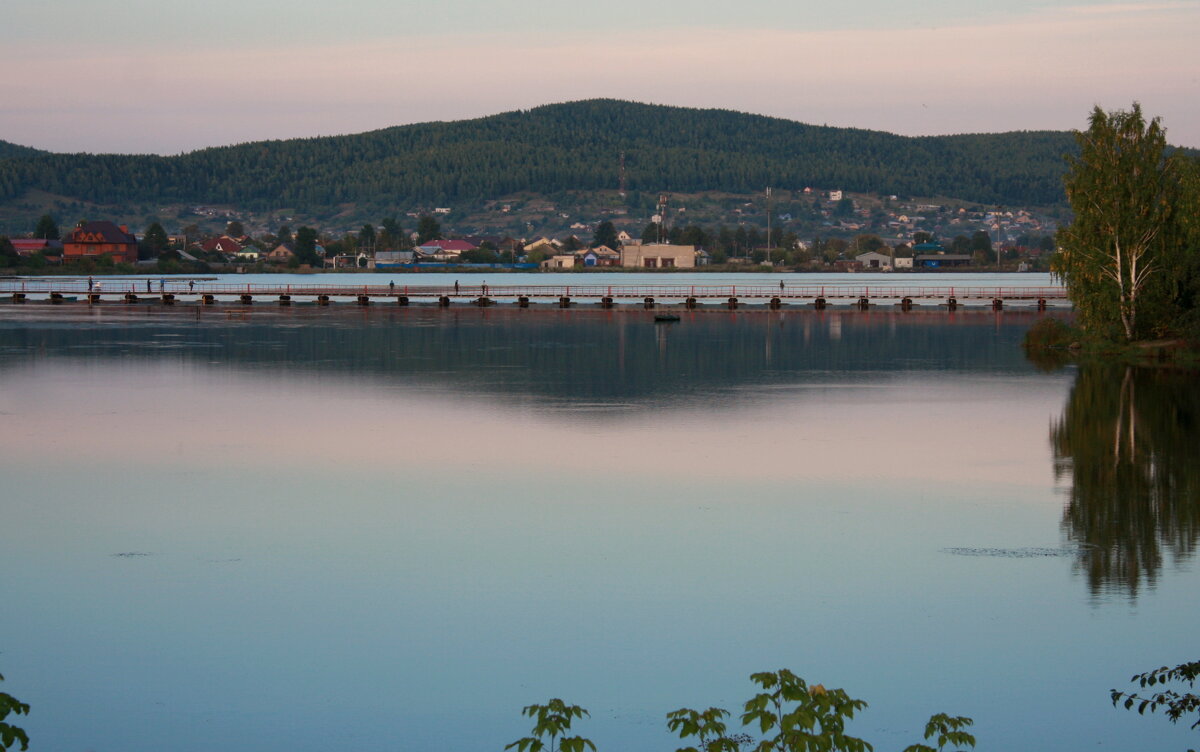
(573, 146)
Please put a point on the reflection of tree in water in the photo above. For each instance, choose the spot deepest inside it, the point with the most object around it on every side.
(1127, 440)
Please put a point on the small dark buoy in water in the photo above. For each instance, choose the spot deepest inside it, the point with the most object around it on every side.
(659, 317)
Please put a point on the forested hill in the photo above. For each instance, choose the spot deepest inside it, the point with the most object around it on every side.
(572, 146)
(15, 150)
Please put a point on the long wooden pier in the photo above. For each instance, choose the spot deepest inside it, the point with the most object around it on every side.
(773, 296)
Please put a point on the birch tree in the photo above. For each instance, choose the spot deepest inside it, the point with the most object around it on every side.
(1115, 256)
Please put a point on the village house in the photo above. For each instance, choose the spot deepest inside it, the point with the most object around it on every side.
(601, 255)
(94, 239)
(559, 262)
(281, 254)
(659, 256)
(875, 260)
(30, 246)
(543, 245)
(223, 244)
(444, 250)
(391, 259)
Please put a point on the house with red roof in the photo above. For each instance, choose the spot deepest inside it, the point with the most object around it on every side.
(223, 244)
(95, 239)
(30, 246)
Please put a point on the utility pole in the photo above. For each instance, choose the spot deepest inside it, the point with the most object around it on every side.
(622, 186)
(662, 218)
(769, 243)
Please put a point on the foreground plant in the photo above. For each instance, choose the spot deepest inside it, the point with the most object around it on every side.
(794, 716)
(9, 734)
(1177, 704)
(553, 722)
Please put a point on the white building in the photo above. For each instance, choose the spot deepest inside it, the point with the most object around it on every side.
(875, 260)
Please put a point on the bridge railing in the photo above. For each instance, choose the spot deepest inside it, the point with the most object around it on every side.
(619, 291)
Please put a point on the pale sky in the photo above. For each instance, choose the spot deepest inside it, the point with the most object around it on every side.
(167, 76)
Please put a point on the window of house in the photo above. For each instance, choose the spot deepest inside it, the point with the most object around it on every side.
(651, 263)
(668, 262)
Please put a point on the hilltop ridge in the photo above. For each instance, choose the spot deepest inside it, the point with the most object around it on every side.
(573, 146)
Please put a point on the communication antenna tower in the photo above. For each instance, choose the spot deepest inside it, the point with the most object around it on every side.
(622, 189)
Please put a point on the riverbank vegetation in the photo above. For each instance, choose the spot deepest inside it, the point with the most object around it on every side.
(11, 735)
(790, 714)
(1130, 258)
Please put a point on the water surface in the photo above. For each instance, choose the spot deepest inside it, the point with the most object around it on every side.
(392, 528)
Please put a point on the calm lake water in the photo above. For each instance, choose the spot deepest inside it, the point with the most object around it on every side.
(391, 528)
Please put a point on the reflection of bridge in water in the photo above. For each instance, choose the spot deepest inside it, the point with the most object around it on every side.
(564, 296)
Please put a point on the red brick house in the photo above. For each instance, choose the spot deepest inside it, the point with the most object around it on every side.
(94, 239)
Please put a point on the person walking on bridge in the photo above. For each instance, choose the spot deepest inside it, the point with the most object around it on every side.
(456, 287)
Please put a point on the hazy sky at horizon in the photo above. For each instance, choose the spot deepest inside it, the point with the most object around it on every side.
(168, 76)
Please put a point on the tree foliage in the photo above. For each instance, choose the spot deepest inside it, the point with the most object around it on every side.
(10, 734)
(606, 235)
(46, 228)
(155, 239)
(1176, 704)
(8, 254)
(1121, 255)
(553, 721)
(428, 229)
(795, 716)
(306, 245)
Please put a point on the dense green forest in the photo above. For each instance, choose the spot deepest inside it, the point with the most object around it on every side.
(15, 150)
(572, 146)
